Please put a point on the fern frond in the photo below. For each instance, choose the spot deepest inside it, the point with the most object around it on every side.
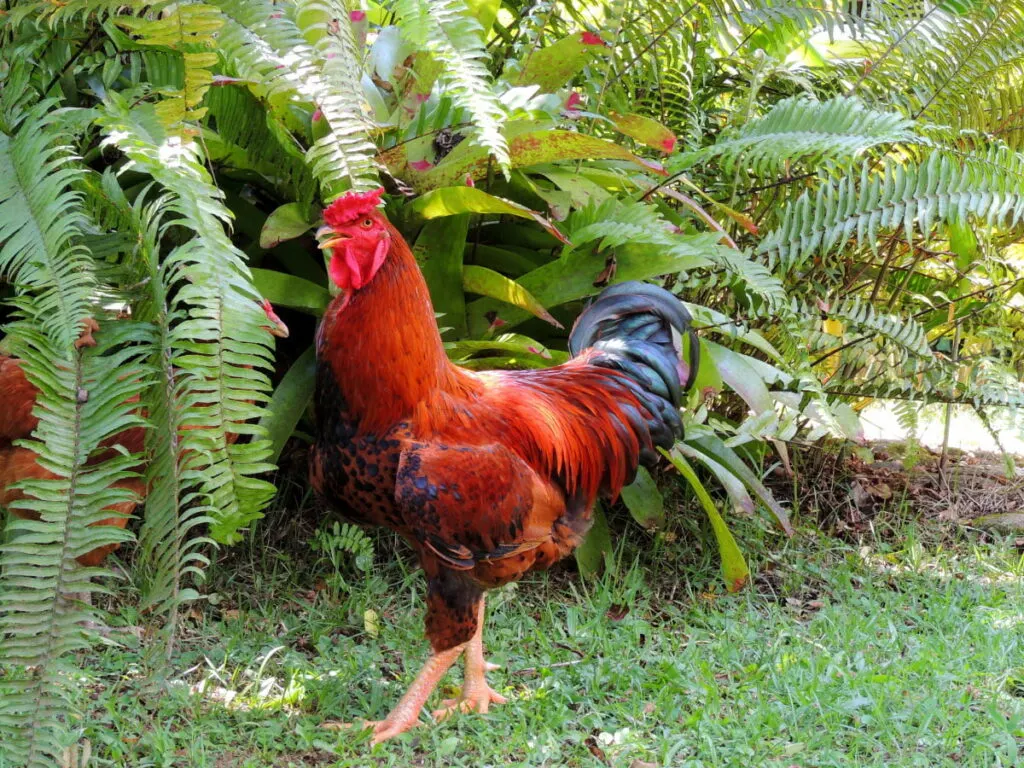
(949, 61)
(446, 30)
(220, 334)
(342, 159)
(799, 130)
(616, 223)
(784, 17)
(914, 196)
(81, 403)
(189, 30)
(905, 333)
(266, 46)
(252, 136)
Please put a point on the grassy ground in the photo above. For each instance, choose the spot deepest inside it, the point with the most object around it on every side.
(870, 654)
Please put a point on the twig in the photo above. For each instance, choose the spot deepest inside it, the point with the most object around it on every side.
(72, 60)
(530, 671)
(949, 406)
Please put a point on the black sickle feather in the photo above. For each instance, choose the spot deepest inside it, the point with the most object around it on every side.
(631, 325)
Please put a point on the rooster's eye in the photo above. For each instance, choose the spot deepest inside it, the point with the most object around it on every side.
(366, 223)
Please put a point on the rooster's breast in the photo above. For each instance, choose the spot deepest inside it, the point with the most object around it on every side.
(353, 473)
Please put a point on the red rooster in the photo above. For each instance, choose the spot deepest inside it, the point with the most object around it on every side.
(487, 475)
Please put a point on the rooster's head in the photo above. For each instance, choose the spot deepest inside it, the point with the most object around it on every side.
(358, 238)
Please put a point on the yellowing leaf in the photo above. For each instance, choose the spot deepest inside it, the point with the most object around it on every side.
(554, 66)
(450, 201)
(832, 327)
(734, 566)
(371, 622)
(495, 285)
(646, 131)
(526, 148)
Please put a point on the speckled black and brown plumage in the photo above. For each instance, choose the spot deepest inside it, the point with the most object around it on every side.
(488, 475)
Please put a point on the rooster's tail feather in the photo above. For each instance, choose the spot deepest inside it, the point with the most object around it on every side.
(637, 329)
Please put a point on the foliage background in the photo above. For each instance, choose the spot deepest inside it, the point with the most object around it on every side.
(834, 189)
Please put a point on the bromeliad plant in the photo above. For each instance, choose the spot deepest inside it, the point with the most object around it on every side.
(835, 195)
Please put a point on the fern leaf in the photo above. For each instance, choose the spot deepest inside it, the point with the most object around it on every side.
(446, 30)
(910, 198)
(81, 403)
(188, 29)
(343, 157)
(220, 334)
(799, 130)
(265, 45)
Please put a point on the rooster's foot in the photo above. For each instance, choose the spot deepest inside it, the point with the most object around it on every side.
(473, 699)
(382, 729)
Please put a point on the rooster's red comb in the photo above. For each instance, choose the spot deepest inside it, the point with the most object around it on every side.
(351, 206)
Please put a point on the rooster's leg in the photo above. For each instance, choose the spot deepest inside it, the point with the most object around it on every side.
(406, 713)
(477, 695)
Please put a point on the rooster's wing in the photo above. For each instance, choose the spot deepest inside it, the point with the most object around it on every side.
(481, 509)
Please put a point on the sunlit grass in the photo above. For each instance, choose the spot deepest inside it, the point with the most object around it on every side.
(871, 655)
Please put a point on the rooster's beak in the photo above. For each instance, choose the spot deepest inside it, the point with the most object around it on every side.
(331, 242)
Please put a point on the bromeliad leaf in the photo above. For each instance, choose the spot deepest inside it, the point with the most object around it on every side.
(285, 290)
(449, 201)
(495, 285)
(741, 376)
(555, 65)
(289, 401)
(707, 443)
(526, 149)
(734, 566)
(288, 221)
(646, 131)
(439, 250)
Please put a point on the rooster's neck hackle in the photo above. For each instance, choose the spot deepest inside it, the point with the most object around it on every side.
(383, 345)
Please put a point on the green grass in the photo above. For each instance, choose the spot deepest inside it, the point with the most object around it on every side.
(837, 655)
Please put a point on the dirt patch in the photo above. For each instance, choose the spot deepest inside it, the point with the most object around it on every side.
(851, 491)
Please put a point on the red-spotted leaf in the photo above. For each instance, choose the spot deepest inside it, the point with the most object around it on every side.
(553, 66)
(646, 131)
(525, 149)
(449, 201)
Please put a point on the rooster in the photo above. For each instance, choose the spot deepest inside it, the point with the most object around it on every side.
(488, 475)
(17, 421)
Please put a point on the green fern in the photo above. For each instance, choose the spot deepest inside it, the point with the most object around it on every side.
(444, 29)
(913, 197)
(188, 29)
(222, 327)
(81, 402)
(905, 333)
(308, 57)
(343, 158)
(951, 60)
(799, 130)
